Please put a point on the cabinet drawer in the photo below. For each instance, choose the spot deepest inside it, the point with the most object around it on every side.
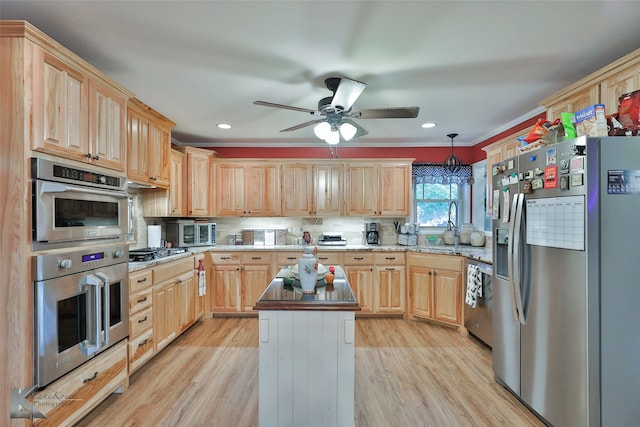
(287, 258)
(358, 259)
(390, 258)
(328, 258)
(139, 322)
(140, 350)
(172, 269)
(140, 300)
(260, 258)
(85, 386)
(139, 280)
(225, 258)
(441, 262)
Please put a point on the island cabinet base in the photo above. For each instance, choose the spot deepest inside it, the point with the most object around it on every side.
(307, 368)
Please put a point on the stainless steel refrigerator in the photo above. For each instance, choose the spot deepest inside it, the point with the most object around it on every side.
(566, 280)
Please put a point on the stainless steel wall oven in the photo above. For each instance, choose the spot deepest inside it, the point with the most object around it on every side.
(72, 205)
(81, 307)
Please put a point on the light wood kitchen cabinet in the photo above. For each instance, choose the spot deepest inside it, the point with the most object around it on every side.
(574, 101)
(256, 276)
(164, 315)
(177, 178)
(251, 189)
(149, 143)
(226, 282)
(389, 283)
(361, 279)
(60, 108)
(107, 129)
(435, 287)
(199, 184)
(312, 190)
(380, 189)
(140, 347)
(185, 301)
(620, 83)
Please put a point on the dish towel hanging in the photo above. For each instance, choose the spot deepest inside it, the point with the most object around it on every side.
(474, 285)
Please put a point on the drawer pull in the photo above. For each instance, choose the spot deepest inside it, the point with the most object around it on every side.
(225, 257)
(144, 319)
(178, 281)
(142, 280)
(323, 257)
(291, 257)
(390, 257)
(142, 343)
(143, 299)
(358, 258)
(390, 269)
(95, 375)
(256, 257)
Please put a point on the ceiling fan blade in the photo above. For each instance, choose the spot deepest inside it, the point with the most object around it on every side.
(285, 107)
(347, 93)
(387, 113)
(302, 125)
(360, 130)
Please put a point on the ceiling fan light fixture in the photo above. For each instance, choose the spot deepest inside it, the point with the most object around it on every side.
(348, 131)
(333, 137)
(322, 130)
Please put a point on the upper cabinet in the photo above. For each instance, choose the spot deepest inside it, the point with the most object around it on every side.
(604, 86)
(313, 190)
(198, 181)
(77, 112)
(247, 188)
(379, 189)
(149, 144)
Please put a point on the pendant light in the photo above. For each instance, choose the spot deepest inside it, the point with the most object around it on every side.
(452, 163)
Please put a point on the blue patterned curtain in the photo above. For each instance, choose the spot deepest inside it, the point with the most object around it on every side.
(436, 173)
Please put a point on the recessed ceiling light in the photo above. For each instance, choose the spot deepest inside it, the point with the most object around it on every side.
(428, 125)
(224, 125)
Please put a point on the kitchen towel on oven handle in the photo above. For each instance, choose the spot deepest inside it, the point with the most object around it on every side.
(474, 285)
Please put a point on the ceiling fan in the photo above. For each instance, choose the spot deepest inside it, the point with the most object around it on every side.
(337, 114)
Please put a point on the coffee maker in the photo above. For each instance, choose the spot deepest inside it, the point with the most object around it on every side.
(372, 231)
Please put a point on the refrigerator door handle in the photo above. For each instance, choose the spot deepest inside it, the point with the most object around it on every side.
(510, 258)
(517, 288)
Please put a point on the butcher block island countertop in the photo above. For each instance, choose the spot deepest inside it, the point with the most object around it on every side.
(336, 297)
(307, 354)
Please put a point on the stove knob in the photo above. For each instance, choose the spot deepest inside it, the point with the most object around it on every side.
(118, 253)
(64, 263)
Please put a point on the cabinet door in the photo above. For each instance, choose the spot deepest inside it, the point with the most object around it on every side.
(164, 315)
(447, 296)
(177, 177)
(158, 155)
(60, 108)
(137, 147)
(421, 292)
(297, 187)
(361, 279)
(227, 283)
(362, 190)
(613, 87)
(262, 189)
(575, 102)
(106, 127)
(255, 279)
(390, 289)
(185, 301)
(394, 197)
(328, 190)
(230, 189)
(199, 184)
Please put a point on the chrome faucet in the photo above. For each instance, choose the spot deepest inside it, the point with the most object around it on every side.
(454, 226)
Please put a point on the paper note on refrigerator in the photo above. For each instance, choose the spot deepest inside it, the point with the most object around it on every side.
(557, 222)
(505, 206)
(495, 207)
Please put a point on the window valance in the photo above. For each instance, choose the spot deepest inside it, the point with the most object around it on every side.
(436, 173)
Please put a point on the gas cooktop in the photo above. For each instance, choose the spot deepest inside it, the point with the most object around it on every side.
(149, 254)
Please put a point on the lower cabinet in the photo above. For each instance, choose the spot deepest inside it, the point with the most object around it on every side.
(390, 283)
(435, 290)
(358, 268)
(65, 401)
(256, 276)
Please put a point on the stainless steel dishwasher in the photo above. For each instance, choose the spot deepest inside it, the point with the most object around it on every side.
(477, 319)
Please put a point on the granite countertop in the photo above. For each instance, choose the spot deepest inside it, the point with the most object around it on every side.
(477, 253)
(328, 297)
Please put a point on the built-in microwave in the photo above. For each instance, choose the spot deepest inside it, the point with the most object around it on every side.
(72, 204)
(188, 232)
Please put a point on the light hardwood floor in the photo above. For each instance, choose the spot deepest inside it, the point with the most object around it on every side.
(408, 374)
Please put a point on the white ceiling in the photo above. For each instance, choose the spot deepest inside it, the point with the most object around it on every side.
(473, 67)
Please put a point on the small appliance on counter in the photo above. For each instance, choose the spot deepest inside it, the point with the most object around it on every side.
(406, 239)
(372, 231)
(187, 232)
(332, 239)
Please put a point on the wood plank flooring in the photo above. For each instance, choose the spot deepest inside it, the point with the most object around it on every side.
(408, 374)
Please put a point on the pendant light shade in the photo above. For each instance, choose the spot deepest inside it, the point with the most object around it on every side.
(333, 137)
(452, 163)
(348, 131)
(322, 130)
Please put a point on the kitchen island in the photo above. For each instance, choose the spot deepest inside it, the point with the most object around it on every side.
(307, 353)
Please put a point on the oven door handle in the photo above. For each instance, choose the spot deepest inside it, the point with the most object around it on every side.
(106, 308)
(93, 286)
(56, 187)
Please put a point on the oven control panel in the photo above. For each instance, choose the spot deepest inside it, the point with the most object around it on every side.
(57, 264)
